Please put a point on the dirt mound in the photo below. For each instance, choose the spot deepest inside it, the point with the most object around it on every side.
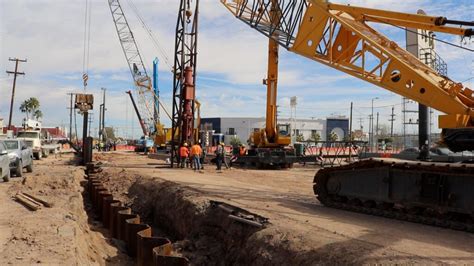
(59, 235)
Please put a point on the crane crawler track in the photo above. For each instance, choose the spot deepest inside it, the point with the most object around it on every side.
(436, 194)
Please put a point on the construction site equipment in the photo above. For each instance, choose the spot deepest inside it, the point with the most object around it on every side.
(145, 142)
(431, 193)
(339, 36)
(140, 119)
(270, 146)
(184, 81)
(148, 102)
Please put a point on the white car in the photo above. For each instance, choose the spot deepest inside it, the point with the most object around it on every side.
(20, 155)
(4, 163)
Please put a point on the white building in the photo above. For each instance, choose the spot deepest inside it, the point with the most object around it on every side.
(243, 126)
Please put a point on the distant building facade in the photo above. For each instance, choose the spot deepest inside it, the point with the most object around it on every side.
(243, 126)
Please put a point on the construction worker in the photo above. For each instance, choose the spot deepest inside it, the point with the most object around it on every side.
(196, 153)
(220, 155)
(183, 154)
(242, 150)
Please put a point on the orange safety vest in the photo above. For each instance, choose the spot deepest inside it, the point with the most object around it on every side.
(183, 151)
(242, 151)
(196, 150)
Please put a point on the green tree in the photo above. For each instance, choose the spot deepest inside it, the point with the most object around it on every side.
(300, 138)
(109, 133)
(315, 137)
(235, 141)
(38, 114)
(31, 108)
(333, 137)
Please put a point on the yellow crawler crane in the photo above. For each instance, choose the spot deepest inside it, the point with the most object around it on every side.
(272, 136)
(339, 36)
(269, 146)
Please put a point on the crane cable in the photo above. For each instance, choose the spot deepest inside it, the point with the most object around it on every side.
(160, 50)
(420, 34)
(151, 35)
(87, 38)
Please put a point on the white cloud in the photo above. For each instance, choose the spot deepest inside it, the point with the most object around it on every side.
(49, 33)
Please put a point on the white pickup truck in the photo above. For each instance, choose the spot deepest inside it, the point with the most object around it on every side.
(33, 140)
(39, 146)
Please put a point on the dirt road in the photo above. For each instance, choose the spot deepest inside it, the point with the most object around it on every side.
(286, 198)
(60, 235)
(300, 228)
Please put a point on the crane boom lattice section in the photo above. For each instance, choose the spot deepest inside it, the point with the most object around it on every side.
(142, 82)
(338, 36)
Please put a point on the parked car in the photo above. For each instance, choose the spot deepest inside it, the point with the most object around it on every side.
(411, 154)
(20, 155)
(4, 163)
(437, 154)
(447, 152)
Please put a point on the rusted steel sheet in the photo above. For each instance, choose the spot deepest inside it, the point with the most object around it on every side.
(127, 226)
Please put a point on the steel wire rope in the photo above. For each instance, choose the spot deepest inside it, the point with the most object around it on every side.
(160, 50)
(150, 33)
(415, 32)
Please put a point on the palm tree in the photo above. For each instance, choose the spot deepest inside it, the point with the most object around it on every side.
(38, 114)
(31, 107)
(24, 108)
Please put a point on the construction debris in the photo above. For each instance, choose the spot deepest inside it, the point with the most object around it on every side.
(45, 203)
(27, 202)
(31, 202)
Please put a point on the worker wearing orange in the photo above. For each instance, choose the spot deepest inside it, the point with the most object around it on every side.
(183, 154)
(196, 153)
(242, 150)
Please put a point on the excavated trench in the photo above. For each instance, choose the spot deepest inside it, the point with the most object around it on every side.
(162, 222)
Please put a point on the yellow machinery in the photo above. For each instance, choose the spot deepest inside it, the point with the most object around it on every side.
(273, 135)
(269, 146)
(339, 36)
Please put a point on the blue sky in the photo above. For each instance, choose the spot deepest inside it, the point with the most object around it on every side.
(231, 61)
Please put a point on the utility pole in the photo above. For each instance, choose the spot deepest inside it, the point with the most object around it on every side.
(370, 131)
(377, 127)
(103, 111)
(391, 121)
(75, 127)
(15, 73)
(71, 109)
(350, 124)
(372, 124)
(100, 123)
